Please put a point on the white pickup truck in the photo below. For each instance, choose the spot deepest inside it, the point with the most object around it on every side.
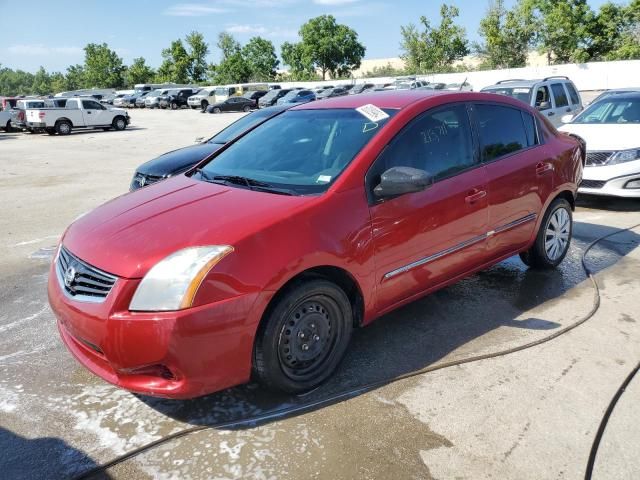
(78, 113)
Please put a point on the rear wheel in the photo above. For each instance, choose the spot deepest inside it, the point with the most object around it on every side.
(304, 336)
(246, 108)
(554, 237)
(119, 123)
(174, 106)
(63, 127)
(216, 110)
(7, 127)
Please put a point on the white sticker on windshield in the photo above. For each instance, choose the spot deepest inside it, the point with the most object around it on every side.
(323, 179)
(372, 112)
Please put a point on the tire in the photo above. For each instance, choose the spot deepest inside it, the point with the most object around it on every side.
(216, 110)
(119, 123)
(203, 106)
(303, 337)
(174, 106)
(50, 130)
(7, 127)
(246, 108)
(63, 127)
(553, 239)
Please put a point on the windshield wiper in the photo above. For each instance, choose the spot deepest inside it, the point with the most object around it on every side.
(250, 183)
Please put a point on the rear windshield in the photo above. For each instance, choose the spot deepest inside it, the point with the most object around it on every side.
(520, 93)
(303, 151)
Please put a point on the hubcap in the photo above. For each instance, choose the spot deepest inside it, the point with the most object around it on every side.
(556, 239)
(306, 338)
(120, 124)
(64, 128)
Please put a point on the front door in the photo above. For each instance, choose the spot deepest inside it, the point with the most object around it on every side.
(93, 113)
(423, 239)
(520, 177)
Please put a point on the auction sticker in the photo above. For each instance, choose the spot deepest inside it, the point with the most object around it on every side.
(372, 112)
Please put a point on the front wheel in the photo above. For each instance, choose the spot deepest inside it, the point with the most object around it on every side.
(216, 110)
(554, 237)
(7, 127)
(174, 106)
(119, 123)
(246, 108)
(304, 336)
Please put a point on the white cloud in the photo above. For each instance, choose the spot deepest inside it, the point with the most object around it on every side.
(258, 29)
(193, 10)
(247, 29)
(334, 2)
(42, 50)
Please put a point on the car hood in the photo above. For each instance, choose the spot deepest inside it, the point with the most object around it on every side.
(178, 160)
(617, 136)
(129, 234)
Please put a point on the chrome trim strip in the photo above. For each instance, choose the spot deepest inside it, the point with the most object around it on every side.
(460, 246)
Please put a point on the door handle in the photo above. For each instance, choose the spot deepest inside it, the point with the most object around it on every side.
(475, 195)
(568, 110)
(543, 167)
(89, 112)
(550, 114)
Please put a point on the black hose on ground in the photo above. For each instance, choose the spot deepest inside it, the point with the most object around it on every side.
(333, 399)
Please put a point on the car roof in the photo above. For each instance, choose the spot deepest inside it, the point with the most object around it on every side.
(623, 95)
(520, 83)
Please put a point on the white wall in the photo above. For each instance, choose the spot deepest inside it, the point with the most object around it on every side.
(586, 76)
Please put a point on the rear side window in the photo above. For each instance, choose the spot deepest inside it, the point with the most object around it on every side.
(559, 95)
(501, 130)
(438, 142)
(72, 104)
(530, 129)
(575, 98)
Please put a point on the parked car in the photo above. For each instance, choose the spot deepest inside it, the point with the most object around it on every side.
(409, 84)
(203, 98)
(152, 100)
(272, 97)
(611, 129)
(553, 96)
(7, 103)
(255, 96)
(615, 91)
(332, 92)
(141, 99)
(361, 87)
(232, 104)
(177, 98)
(18, 113)
(5, 120)
(179, 161)
(79, 113)
(322, 88)
(459, 87)
(297, 96)
(251, 266)
(129, 101)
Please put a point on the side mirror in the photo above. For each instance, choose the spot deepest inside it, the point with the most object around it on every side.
(401, 180)
(199, 140)
(567, 118)
(543, 106)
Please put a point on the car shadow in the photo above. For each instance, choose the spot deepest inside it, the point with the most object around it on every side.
(455, 322)
(27, 458)
(615, 204)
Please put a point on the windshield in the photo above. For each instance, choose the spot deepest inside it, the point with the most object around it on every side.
(611, 110)
(155, 93)
(245, 123)
(302, 151)
(271, 94)
(290, 95)
(520, 93)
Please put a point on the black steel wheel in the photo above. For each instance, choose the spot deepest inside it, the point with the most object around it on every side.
(63, 127)
(304, 336)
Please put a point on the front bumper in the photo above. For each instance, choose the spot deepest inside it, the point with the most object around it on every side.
(196, 102)
(611, 180)
(180, 354)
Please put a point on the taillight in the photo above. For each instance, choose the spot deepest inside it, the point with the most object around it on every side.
(41, 114)
(21, 115)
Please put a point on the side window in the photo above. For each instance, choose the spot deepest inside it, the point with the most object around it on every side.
(530, 129)
(543, 96)
(575, 98)
(232, 91)
(560, 95)
(501, 131)
(71, 104)
(437, 141)
(87, 105)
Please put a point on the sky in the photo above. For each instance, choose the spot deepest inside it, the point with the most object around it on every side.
(39, 32)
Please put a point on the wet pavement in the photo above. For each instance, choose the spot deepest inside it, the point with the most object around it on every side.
(531, 414)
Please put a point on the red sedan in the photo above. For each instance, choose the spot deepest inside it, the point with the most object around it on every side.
(263, 259)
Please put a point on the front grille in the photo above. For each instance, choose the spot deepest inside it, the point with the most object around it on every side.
(592, 183)
(597, 158)
(80, 280)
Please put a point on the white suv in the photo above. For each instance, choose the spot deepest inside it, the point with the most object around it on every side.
(554, 97)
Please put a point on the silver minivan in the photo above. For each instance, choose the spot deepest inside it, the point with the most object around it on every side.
(554, 97)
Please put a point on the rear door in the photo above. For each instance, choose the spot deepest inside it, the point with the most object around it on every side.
(574, 98)
(425, 238)
(561, 106)
(520, 177)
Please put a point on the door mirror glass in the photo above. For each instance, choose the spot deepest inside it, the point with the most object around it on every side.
(544, 105)
(401, 180)
(567, 118)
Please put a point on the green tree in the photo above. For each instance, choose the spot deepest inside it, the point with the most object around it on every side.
(175, 64)
(260, 56)
(75, 77)
(41, 82)
(233, 68)
(326, 45)
(228, 45)
(507, 35)
(301, 66)
(139, 72)
(387, 70)
(58, 82)
(103, 68)
(615, 32)
(15, 82)
(563, 28)
(435, 48)
(198, 51)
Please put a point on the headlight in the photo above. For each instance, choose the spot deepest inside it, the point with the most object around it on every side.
(173, 282)
(624, 156)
